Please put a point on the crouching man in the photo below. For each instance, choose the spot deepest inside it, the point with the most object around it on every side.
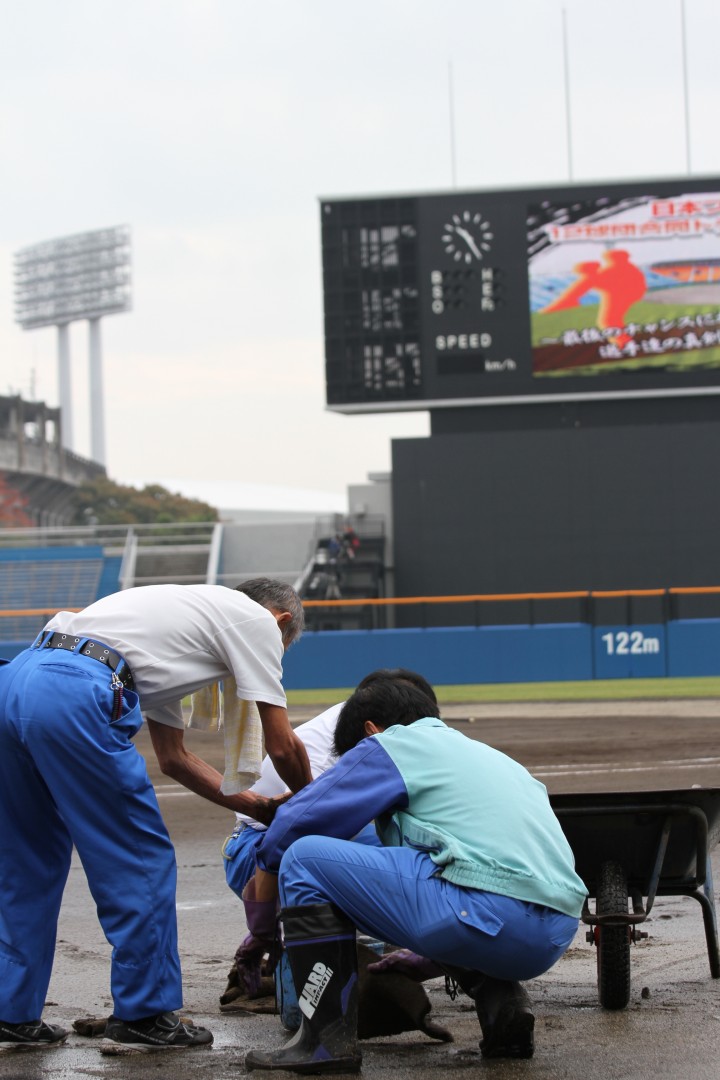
(475, 875)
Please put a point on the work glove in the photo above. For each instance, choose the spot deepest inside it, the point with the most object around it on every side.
(405, 962)
(257, 955)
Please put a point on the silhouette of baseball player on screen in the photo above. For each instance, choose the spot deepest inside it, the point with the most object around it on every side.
(618, 281)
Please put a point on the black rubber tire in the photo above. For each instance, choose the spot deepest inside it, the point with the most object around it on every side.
(613, 942)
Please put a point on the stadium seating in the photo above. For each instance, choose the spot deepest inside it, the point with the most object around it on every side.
(45, 580)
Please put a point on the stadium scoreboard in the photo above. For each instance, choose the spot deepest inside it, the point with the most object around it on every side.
(609, 290)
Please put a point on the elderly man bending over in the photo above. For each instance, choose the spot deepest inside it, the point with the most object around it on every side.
(70, 774)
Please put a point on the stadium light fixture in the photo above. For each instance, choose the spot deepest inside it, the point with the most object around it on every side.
(83, 276)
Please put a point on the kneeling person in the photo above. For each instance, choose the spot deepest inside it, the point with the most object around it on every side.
(475, 874)
(239, 850)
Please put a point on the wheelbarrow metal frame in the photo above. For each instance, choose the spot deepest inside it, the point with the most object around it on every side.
(667, 814)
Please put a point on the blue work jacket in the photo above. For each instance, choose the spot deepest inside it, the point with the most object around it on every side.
(480, 816)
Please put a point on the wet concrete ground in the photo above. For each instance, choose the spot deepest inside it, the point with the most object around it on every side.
(670, 1030)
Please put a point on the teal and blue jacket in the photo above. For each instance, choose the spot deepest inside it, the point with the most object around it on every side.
(480, 816)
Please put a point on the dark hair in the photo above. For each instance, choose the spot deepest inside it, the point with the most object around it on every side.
(385, 700)
(277, 596)
(399, 674)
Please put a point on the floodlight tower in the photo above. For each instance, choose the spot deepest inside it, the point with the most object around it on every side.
(57, 282)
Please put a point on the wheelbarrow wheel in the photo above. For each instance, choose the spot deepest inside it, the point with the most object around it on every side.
(613, 942)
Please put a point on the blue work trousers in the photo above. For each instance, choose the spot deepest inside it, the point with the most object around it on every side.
(394, 894)
(240, 847)
(239, 856)
(69, 774)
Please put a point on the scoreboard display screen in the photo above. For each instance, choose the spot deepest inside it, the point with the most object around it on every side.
(496, 297)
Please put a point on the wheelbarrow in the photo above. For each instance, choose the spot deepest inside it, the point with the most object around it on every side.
(631, 847)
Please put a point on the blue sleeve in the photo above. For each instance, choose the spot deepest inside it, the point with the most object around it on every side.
(364, 784)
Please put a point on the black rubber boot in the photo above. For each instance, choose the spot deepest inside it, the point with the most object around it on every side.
(503, 1009)
(320, 944)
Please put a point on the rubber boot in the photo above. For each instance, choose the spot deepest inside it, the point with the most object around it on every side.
(320, 944)
(503, 1009)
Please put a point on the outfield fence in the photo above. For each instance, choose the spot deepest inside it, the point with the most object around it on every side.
(485, 638)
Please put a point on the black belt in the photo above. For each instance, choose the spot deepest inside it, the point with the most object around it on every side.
(94, 649)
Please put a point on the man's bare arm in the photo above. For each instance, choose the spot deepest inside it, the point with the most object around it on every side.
(284, 748)
(264, 886)
(192, 772)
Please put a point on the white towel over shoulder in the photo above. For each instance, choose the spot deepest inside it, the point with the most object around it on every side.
(240, 721)
(243, 735)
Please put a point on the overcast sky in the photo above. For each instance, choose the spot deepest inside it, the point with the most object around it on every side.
(213, 127)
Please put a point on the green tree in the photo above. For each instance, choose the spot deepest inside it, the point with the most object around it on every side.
(103, 502)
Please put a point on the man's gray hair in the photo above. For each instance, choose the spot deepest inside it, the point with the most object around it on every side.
(278, 596)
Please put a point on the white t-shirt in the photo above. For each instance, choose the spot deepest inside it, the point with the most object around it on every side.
(179, 638)
(317, 735)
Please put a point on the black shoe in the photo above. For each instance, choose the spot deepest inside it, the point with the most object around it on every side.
(503, 1009)
(511, 1035)
(34, 1033)
(166, 1031)
(506, 1019)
